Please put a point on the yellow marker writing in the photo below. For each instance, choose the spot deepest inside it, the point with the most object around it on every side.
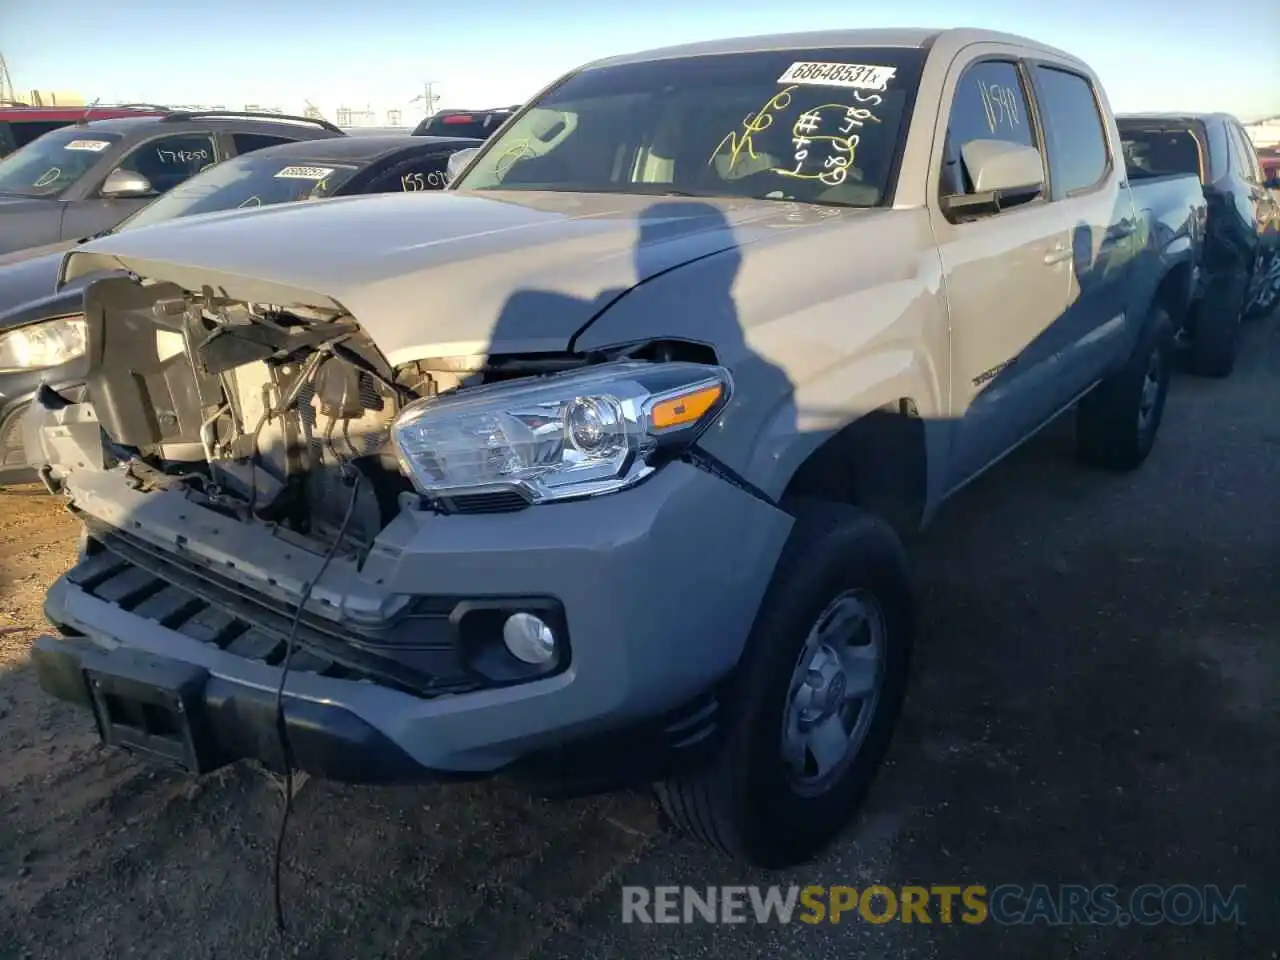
(761, 119)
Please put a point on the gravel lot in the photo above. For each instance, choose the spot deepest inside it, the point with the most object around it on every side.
(1096, 700)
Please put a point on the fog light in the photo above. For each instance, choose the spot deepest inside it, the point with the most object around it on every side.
(529, 638)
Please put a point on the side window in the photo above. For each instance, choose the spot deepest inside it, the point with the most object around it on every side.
(989, 104)
(1220, 157)
(414, 176)
(1246, 157)
(249, 142)
(1074, 133)
(169, 161)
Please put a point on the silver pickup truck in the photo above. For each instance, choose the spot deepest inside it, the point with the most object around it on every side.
(595, 469)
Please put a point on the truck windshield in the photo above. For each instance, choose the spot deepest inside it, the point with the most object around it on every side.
(818, 126)
(50, 164)
(248, 181)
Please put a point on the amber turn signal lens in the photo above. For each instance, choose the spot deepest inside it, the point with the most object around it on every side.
(684, 409)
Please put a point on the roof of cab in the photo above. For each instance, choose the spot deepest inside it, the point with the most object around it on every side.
(919, 37)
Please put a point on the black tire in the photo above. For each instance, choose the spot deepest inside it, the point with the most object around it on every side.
(1110, 430)
(744, 802)
(1215, 331)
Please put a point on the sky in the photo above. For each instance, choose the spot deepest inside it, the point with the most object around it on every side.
(1150, 54)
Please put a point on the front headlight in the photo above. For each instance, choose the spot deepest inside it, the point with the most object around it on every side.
(46, 344)
(567, 435)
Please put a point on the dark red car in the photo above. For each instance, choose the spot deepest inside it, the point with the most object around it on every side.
(20, 125)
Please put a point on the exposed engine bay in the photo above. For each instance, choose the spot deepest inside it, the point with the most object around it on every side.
(269, 413)
(256, 411)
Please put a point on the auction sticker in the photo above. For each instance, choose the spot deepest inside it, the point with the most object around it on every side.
(859, 76)
(304, 173)
(93, 146)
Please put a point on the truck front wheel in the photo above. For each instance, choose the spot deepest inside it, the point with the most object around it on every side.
(816, 695)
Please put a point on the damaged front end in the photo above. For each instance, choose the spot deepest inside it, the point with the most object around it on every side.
(235, 460)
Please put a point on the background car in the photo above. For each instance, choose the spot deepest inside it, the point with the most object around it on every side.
(20, 124)
(44, 332)
(80, 179)
(1242, 228)
(464, 123)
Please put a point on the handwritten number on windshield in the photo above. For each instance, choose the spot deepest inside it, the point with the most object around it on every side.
(757, 122)
(840, 150)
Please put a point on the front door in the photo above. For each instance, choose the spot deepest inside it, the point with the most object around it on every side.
(1006, 276)
(164, 161)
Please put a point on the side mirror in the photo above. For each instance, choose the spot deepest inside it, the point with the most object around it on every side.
(125, 184)
(458, 162)
(1002, 174)
(995, 166)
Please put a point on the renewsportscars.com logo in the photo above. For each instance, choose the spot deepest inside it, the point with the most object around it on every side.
(1009, 904)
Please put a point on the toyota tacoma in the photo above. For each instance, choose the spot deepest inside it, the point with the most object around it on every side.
(596, 467)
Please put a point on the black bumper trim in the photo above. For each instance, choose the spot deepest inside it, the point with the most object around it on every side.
(226, 721)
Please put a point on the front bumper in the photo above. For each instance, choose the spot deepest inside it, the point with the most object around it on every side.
(659, 586)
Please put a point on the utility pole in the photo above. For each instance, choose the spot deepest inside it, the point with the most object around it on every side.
(428, 97)
(6, 83)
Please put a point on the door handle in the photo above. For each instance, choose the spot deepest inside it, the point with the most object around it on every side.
(1059, 253)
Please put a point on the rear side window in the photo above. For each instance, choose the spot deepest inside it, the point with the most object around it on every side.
(249, 142)
(1074, 133)
(989, 104)
(1245, 156)
(1219, 154)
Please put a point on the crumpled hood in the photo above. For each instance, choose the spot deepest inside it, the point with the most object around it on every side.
(456, 272)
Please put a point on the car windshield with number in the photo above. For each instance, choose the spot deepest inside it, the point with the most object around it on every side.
(50, 164)
(248, 181)
(818, 126)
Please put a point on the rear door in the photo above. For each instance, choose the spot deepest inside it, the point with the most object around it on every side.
(1006, 273)
(1087, 172)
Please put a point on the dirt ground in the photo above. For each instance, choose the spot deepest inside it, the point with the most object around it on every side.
(1096, 700)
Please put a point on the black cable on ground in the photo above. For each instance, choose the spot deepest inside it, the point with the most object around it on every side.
(282, 728)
